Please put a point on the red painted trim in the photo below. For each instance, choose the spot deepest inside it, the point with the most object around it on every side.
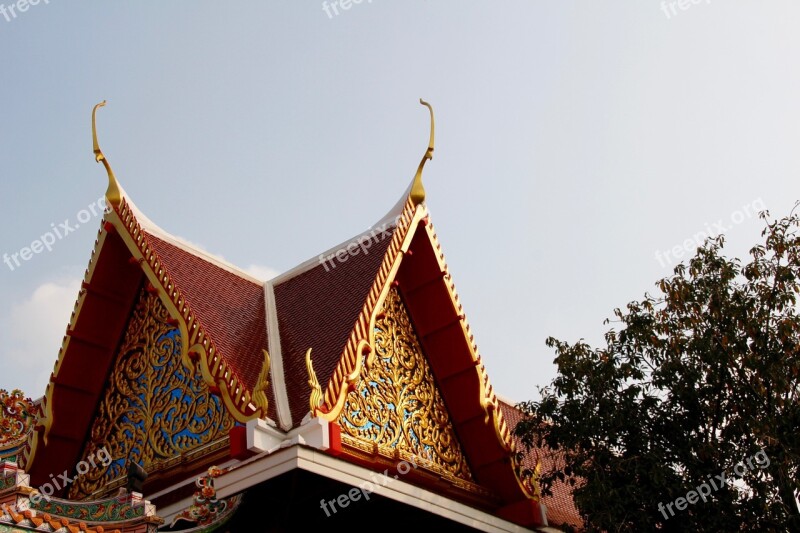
(335, 439)
(238, 443)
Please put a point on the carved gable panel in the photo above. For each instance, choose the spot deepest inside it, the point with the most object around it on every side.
(155, 411)
(396, 404)
(17, 417)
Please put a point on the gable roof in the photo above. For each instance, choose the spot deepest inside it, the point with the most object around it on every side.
(230, 306)
(317, 308)
(229, 321)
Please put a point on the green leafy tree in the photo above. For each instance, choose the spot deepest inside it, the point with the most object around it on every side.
(699, 381)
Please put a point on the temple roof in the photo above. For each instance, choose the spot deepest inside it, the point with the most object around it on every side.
(229, 304)
(312, 305)
(24, 509)
(252, 337)
(317, 307)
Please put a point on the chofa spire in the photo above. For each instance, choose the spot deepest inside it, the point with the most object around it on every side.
(112, 193)
(417, 190)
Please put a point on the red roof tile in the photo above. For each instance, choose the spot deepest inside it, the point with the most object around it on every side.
(561, 508)
(318, 309)
(229, 307)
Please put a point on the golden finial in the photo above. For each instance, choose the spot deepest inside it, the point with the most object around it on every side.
(260, 391)
(112, 193)
(417, 190)
(315, 400)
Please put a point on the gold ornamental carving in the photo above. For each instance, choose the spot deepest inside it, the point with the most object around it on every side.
(396, 404)
(315, 398)
(17, 418)
(155, 409)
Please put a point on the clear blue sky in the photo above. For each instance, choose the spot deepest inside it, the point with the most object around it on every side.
(574, 141)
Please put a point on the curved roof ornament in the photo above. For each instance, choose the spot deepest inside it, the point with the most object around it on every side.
(315, 399)
(260, 391)
(113, 194)
(417, 190)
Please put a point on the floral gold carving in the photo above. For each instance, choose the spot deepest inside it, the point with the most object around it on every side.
(396, 403)
(155, 409)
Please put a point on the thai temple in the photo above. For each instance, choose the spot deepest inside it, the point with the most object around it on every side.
(190, 396)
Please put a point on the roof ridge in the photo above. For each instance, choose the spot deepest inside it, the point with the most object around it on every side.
(506, 400)
(226, 377)
(157, 231)
(390, 219)
(282, 405)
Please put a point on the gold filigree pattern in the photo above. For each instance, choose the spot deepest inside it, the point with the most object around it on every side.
(396, 403)
(17, 414)
(155, 408)
(17, 417)
(315, 398)
(260, 391)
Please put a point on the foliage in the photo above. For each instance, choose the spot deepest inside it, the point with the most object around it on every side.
(697, 380)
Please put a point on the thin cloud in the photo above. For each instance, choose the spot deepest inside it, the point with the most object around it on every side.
(34, 334)
(261, 272)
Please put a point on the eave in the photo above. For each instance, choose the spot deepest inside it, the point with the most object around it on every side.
(265, 467)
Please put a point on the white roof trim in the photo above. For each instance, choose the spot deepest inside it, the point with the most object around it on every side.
(388, 220)
(276, 358)
(154, 229)
(506, 400)
(267, 466)
(319, 260)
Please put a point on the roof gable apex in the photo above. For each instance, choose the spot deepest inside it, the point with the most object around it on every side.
(415, 267)
(125, 256)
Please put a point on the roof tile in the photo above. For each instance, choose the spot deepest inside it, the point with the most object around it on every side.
(561, 509)
(230, 308)
(318, 309)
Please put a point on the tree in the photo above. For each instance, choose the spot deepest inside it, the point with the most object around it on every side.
(697, 393)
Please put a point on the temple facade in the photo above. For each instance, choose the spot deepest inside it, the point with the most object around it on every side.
(190, 396)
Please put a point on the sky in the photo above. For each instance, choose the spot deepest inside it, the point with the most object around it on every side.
(582, 148)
